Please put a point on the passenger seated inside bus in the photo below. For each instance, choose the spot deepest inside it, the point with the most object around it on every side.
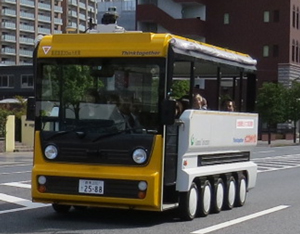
(135, 110)
(197, 101)
(178, 109)
(228, 105)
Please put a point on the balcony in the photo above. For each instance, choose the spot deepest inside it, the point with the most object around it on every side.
(8, 12)
(26, 15)
(44, 30)
(58, 21)
(9, 1)
(8, 25)
(27, 3)
(58, 9)
(26, 28)
(8, 51)
(27, 41)
(45, 19)
(44, 6)
(8, 38)
(149, 13)
(26, 53)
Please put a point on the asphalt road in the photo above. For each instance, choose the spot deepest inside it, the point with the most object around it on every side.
(272, 206)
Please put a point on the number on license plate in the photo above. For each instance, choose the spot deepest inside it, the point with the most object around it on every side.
(91, 186)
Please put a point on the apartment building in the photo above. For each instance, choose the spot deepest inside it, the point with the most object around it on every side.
(23, 20)
(267, 30)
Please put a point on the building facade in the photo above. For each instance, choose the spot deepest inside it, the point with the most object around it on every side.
(23, 20)
(16, 80)
(267, 30)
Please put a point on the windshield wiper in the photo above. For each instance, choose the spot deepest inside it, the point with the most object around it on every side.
(78, 131)
(111, 134)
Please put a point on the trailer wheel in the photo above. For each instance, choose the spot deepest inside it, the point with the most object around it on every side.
(188, 203)
(205, 199)
(230, 193)
(241, 191)
(218, 196)
(62, 209)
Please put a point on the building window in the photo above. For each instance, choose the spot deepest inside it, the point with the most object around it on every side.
(276, 16)
(297, 18)
(226, 18)
(293, 51)
(6, 81)
(294, 17)
(26, 81)
(266, 16)
(275, 50)
(266, 51)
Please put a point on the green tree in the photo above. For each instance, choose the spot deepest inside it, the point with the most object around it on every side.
(292, 104)
(20, 108)
(180, 88)
(271, 104)
(77, 82)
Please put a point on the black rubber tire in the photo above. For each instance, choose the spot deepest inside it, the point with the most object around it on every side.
(241, 191)
(230, 193)
(205, 199)
(61, 209)
(188, 203)
(80, 208)
(218, 195)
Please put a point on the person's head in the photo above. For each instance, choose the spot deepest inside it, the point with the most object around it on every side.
(229, 105)
(197, 101)
(135, 106)
(113, 99)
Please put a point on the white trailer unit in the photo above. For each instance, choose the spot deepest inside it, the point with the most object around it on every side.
(214, 153)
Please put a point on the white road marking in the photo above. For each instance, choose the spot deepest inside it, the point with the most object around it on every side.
(18, 185)
(239, 220)
(18, 172)
(19, 201)
(21, 209)
(263, 152)
(276, 163)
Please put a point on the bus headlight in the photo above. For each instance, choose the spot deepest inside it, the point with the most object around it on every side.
(51, 152)
(139, 156)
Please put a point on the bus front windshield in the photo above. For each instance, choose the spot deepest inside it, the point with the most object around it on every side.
(103, 96)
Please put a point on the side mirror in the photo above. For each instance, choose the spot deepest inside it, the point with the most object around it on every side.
(30, 108)
(168, 109)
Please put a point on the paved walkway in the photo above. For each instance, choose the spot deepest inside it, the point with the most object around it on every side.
(278, 142)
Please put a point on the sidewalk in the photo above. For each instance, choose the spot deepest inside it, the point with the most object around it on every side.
(277, 143)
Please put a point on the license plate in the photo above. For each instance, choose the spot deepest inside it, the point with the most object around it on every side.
(91, 186)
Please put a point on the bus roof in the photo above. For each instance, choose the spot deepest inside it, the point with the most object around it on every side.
(137, 44)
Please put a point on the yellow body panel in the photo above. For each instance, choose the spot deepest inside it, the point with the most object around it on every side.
(104, 45)
(152, 173)
(112, 45)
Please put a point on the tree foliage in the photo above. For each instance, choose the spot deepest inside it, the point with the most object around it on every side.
(20, 108)
(271, 103)
(292, 102)
(180, 88)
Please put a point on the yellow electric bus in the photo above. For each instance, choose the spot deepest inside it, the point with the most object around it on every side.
(106, 134)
